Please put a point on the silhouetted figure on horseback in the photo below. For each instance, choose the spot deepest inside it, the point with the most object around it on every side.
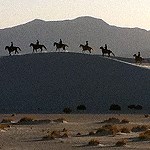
(12, 48)
(138, 58)
(86, 47)
(106, 51)
(60, 45)
(37, 46)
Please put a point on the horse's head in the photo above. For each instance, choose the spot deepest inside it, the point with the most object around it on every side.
(54, 43)
(134, 55)
(101, 47)
(7, 47)
(81, 45)
(31, 44)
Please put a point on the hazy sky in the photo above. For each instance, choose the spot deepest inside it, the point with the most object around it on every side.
(124, 13)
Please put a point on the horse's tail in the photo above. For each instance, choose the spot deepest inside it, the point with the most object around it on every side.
(113, 53)
(44, 47)
(19, 48)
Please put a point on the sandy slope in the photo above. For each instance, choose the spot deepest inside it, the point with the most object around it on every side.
(29, 137)
(49, 82)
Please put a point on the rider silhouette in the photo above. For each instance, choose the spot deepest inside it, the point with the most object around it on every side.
(37, 42)
(87, 44)
(12, 44)
(139, 54)
(60, 42)
(105, 47)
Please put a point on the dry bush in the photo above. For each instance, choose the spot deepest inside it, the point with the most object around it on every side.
(139, 128)
(26, 119)
(60, 120)
(146, 115)
(4, 126)
(67, 110)
(121, 143)
(112, 120)
(107, 130)
(48, 137)
(93, 142)
(145, 135)
(91, 133)
(56, 134)
(125, 121)
(7, 120)
(125, 130)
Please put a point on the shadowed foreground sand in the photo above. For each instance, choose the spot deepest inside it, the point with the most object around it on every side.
(71, 132)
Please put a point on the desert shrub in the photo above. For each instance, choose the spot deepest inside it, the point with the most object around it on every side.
(93, 142)
(79, 134)
(121, 143)
(67, 110)
(91, 133)
(114, 107)
(107, 130)
(81, 107)
(125, 121)
(65, 135)
(139, 128)
(4, 126)
(48, 137)
(124, 130)
(55, 134)
(60, 120)
(146, 115)
(137, 107)
(112, 120)
(7, 120)
(145, 135)
(26, 119)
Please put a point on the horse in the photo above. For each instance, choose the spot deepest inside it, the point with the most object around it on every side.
(59, 46)
(36, 47)
(106, 51)
(86, 48)
(138, 59)
(12, 48)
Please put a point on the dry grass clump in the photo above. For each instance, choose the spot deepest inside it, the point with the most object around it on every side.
(55, 134)
(145, 135)
(121, 143)
(60, 120)
(26, 119)
(140, 128)
(4, 126)
(91, 133)
(146, 115)
(7, 120)
(93, 142)
(112, 120)
(125, 121)
(107, 130)
(125, 130)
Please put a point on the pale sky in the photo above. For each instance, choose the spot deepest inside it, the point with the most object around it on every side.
(123, 13)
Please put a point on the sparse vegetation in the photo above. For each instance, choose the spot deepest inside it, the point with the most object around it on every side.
(121, 143)
(112, 120)
(93, 142)
(4, 126)
(107, 130)
(60, 120)
(125, 121)
(145, 135)
(139, 128)
(67, 110)
(81, 107)
(7, 120)
(26, 119)
(125, 130)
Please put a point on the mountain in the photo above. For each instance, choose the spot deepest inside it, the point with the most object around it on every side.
(124, 42)
(50, 82)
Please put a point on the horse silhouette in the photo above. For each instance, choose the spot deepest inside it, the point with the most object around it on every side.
(37, 46)
(12, 48)
(106, 51)
(86, 48)
(59, 46)
(138, 58)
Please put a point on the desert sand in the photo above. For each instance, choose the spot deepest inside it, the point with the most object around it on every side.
(71, 132)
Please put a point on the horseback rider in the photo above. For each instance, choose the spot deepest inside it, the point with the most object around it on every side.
(139, 54)
(87, 44)
(60, 42)
(105, 47)
(37, 42)
(11, 44)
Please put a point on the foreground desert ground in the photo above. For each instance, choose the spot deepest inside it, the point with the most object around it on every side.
(70, 131)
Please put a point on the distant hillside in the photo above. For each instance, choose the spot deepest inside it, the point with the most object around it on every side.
(49, 82)
(123, 41)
